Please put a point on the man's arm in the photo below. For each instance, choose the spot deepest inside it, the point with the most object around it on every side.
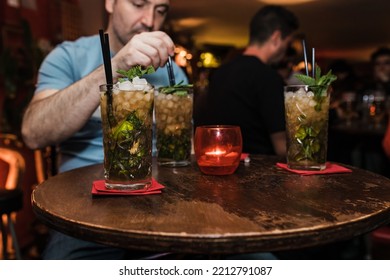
(53, 116)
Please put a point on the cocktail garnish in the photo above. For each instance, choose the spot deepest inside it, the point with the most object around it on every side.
(318, 85)
(176, 89)
(136, 71)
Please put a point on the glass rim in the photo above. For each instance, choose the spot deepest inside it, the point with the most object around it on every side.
(104, 87)
(305, 86)
(188, 90)
(219, 126)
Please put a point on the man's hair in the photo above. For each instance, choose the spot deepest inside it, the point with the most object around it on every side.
(383, 51)
(269, 19)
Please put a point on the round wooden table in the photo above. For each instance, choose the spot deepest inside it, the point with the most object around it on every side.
(259, 208)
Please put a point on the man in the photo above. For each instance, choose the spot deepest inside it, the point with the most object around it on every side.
(247, 91)
(375, 91)
(381, 70)
(65, 107)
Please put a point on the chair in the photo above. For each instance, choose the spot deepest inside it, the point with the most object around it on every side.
(380, 243)
(11, 193)
(46, 162)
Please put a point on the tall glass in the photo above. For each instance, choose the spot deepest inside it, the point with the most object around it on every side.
(173, 111)
(307, 113)
(378, 108)
(127, 117)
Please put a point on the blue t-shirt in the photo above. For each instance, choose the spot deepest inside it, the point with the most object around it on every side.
(65, 65)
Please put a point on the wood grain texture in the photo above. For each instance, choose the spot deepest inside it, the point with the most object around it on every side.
(259, 208)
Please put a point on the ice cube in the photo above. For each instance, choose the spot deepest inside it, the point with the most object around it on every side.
(301, 91)
(138, 87)
(139, 81)
(147, 87)
(127, 85)
(310, 94)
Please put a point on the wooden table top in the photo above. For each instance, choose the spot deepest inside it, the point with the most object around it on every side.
(259, 208)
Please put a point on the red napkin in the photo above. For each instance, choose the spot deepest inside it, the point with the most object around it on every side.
(331, 168)
(99, 188)
(244, 156)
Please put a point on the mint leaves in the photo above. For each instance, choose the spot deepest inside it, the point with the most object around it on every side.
(318, 85)
(136, 71)
(178, 89)
(308, 138)
(323, 81)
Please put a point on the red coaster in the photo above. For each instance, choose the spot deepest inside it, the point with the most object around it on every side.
(244, 156)
(331, 168)
(99, 188)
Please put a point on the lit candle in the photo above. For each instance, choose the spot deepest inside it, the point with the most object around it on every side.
(217, 149)
(215, 155)
(216, 152)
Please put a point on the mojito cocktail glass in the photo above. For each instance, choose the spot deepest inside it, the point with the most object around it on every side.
(174, 130)
(307, 112)
(127, 116)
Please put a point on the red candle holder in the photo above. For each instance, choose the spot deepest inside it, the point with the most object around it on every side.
(218, 149)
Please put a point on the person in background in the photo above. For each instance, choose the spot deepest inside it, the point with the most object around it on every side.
(375, 95)
(376, 89)
(247, 91)
(65, 108)
(344, 110)
(386, 138)
(380, 60)
(344, 97)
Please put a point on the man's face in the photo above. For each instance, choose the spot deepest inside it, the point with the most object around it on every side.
(281, 49)
(382, 68)
(130, 17)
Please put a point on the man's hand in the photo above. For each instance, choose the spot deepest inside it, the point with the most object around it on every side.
(145, 49)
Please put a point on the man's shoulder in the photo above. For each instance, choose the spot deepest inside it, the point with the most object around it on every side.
(70, 60)
(87, 42)
(245, 65)
(76, 52)
(244, 62)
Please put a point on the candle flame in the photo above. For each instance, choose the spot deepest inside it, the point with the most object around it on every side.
(216, 152)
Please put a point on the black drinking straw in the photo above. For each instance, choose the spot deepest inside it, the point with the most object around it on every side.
(108, 70)
(170, 72)
(106, 56)
(305, 57)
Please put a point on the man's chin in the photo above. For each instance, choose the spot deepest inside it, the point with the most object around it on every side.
(142, 31)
